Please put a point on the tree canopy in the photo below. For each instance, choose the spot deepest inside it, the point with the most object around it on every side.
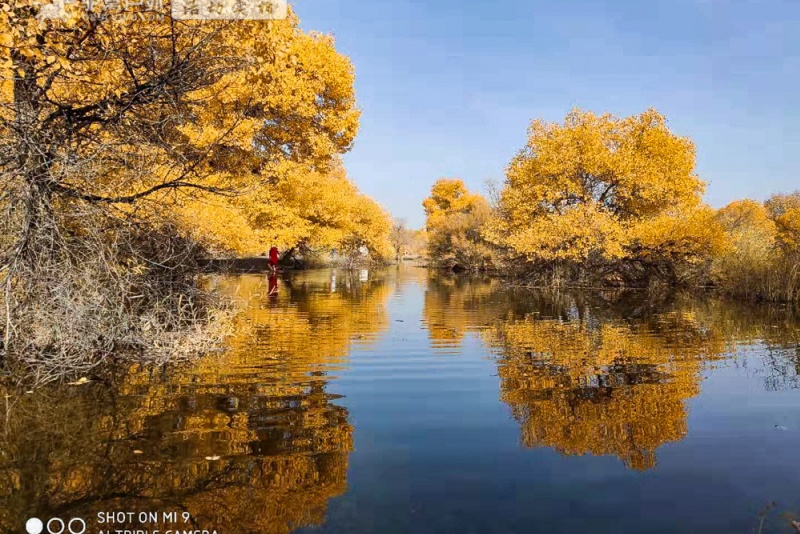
(455, 220)
(603, 188)
(131, 143)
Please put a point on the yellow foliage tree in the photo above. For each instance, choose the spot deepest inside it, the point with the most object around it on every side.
(598, 188)
(785, 212)
(301, 208)
(119, 108)
(762, 261)
(455, 219)
(751, 232)
(688, 236)
(747, 216)
(122, 132)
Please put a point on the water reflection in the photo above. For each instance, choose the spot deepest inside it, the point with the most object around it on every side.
(581, 386)
(250, 440)
(258, 439)
(606, 373)
(455, 305)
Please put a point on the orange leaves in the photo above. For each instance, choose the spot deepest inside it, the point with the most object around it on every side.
(180, 111)
(573, 235)
(762, 258)
(449, 196)
(746, 215)
(250, 85)
(776, 221)
(456, 220)
(625, 165)
(689, 234)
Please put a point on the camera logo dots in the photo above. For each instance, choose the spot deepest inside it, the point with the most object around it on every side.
(34, 525)
(56, 525)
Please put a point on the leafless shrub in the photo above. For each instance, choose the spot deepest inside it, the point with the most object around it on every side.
(83, 285)
(755, 270)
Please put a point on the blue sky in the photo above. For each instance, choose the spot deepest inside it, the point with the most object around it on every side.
(448, 87)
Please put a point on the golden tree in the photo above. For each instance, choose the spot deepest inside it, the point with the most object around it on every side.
(785, 212)
(111, 125)
(455, 218)
(762, 261)
(300, 209)
(598, 188)
(112, 109)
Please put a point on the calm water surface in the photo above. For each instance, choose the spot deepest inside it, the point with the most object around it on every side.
(400, 401)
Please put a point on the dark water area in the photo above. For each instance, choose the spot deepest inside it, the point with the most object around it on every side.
(402, 401)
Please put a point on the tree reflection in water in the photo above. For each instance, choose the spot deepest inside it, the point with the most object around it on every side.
(605, 373)
(256, 440)
(245, 441)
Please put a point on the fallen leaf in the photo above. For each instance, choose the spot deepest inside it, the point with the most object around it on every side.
(79, 382)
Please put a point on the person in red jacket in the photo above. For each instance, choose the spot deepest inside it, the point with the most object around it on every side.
(273, 258)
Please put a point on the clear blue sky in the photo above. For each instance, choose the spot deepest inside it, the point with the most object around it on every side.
(448, 87)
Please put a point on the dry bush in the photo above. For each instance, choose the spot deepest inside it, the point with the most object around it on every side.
(756, 271)
(82, 285)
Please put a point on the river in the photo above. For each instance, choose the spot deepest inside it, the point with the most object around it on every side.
(400, 400)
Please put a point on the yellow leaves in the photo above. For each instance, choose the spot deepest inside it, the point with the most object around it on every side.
(785, 212)
(689, 234)
(746, 216)
(599, 186)
(627, 165)
(449, 196)
(788, 225)
(573, 235)
(258, 109)
(300, 206)
(454, 224)
(762, 259)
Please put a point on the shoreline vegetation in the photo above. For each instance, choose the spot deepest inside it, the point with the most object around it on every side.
(133, 148)
(605, 202)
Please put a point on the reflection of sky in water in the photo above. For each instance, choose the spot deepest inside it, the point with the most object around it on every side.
(397, 401)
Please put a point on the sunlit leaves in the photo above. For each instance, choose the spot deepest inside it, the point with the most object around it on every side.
(298, 207)
(785, 212)
(583, 188)
(119, 109)
(762, 260)
(455, 221)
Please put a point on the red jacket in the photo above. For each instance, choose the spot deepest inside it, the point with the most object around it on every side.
(273, 256)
